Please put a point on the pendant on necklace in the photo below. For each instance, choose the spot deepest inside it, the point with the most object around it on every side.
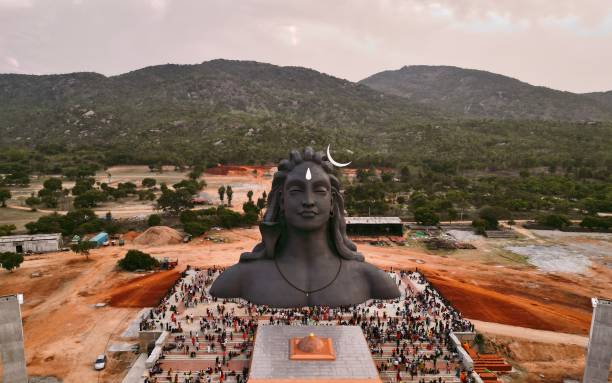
(306, 294)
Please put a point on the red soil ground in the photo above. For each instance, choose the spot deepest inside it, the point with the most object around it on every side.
(145, 291)
(492, 306)
(224, 170)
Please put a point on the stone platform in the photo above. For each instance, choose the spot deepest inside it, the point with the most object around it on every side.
(271, 363)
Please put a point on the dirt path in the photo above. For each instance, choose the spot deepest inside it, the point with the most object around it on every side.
(541, 336)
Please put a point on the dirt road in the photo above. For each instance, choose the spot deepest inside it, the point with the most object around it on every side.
(540, 336)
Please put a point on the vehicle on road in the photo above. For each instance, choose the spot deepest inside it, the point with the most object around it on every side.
(100, 362)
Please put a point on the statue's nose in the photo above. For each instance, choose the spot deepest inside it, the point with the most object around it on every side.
(308, 200)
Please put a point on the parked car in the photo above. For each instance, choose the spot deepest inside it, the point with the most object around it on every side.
(100, 362)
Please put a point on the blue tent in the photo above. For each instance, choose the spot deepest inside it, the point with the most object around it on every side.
(99, 238)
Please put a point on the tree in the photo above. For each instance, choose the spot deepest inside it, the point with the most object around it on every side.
(250, 195)
(137, 260)
(83, 248)
(4, 195)
(424, 216)
(47, 224)
(405, 174)
(53, 184)
(7, 229)
(251, 213)
(221, 191)
(595, 222)
(556, 221)
(49, 201)
(83, 185)
(229, 193)
(452, 215)
(192, 186)
(154, 220)
(492, 214)
(196, 172)
(479, 342)
(261, 204)
(11, 261)
(146, 195)
(480, 226)
(418, 199)
(175, 200)
(148, 182)
(32, 201)
(89, 199)
(386, 176)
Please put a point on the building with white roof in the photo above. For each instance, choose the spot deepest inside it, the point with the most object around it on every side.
(31, 243)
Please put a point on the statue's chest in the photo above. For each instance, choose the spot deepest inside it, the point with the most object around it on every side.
(344, 287)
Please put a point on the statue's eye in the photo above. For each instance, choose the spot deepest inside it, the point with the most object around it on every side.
(321, 190)
(295, 189)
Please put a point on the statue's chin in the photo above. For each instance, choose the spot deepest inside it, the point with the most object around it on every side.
(307, 227)
(307, 224)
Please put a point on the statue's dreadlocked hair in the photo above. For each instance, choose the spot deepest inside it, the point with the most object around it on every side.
(342, 245)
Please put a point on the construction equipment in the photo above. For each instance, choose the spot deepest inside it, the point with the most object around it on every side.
(167, 264)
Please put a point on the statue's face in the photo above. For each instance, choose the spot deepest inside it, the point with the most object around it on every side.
(307, 197)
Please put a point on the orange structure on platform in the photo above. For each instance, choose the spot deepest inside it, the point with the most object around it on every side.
(311, 347)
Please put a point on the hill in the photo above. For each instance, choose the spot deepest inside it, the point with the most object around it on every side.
(246, 112)
(604, 98)
(481, 94)
(216, 103)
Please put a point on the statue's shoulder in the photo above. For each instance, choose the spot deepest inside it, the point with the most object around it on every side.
(382, 286)
(229, 283)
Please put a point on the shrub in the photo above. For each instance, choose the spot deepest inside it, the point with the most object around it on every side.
(154, 220)
(137, 260)
(7, 229)
(553, 220)
(594, 222)
(491, 215)
(148, 182)
(11, 261)
(480, 225)
(196, 228)
(424, 216)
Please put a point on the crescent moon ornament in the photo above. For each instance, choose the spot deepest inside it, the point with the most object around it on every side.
(337, 164)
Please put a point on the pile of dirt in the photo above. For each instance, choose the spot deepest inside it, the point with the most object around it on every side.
(130, 235)
(159, 236)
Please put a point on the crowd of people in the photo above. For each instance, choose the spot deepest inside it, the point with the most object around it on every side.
(408, 337)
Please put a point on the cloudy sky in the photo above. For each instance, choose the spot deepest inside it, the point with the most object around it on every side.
(562, 44)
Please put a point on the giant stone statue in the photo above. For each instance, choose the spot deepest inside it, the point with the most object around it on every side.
(305, 257)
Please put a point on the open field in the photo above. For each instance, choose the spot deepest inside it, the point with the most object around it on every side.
(242, 179)
(18, 217)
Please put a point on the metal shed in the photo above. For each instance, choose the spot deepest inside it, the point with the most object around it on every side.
(99, 239)
(32, 243)
(374, 226)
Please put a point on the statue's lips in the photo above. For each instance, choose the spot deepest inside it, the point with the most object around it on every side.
(308, 214)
